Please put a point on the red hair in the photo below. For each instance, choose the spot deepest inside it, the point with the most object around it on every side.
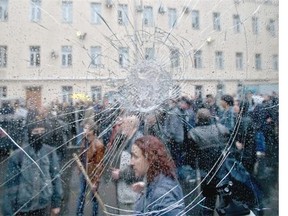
(158, 157)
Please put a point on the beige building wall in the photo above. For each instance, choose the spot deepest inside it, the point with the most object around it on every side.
(50, 33)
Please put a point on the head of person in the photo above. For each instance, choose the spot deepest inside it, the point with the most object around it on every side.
(36, 135)
(184, 103)
(128, 124)
(203, 116)
(210, 100)
(227, 101)
(89, 129)
(150, 158)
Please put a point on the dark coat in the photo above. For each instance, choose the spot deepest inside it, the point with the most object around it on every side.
(206, 143)
(28, 188)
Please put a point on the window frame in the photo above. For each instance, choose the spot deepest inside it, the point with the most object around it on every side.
(3, 92)
(35, 10)
(174, 57)
(4, 11)
(3, 56)
(98, 95)
(122, 14)
(275, 62)
(236, 23)
(67, 92)
(95, 10)
(67, 56)
(258, 61)
(172, 17)
(197, 59)
(123, 57)
(148, 19)
(35, 56)
(239, 61)
(195, 19)
(219, 60)
(255, 25)
(96, 53)
(67, 11)
(149, 53)
(216, 21)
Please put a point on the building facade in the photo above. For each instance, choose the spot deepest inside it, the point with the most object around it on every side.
(54, 49)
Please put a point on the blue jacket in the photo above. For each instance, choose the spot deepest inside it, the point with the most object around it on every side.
(162, 196)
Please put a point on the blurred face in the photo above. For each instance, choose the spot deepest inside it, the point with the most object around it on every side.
(139, 162)
(87, 130)
(209, 100)
(36, 138)
(223, 103)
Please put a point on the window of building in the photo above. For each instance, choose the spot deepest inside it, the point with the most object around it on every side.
(172, 17)
(148, 16)
(275, 62)
(219, 60)
(123, 14)
(66, 56)
(174, 57)
(195, 19)
(96, 92)
(198, 59)
(96, 56)
(3, 56)
(67, 92)
(67, 7)
(3, 10)
(216, 22)
(236, 23)
(258, 61)
(149, 53)
(240, 90)
(255, 25)
(95, 12)
(198, 91)
(123, 57)
(3, 91)
(220, 90)
(35, 14)
(272, 27)
(239, 61)
(35, 56)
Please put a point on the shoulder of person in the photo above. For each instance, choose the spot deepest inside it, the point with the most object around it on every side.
(50, 151)
(48, 148)
(163, 183)
(222, 129)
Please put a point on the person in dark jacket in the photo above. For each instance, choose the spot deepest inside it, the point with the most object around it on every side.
(160, 192)
(228, 118)
(33, 185)
(245, 145)
(209, 146)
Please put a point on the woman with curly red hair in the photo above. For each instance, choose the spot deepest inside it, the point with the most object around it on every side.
(160, 191)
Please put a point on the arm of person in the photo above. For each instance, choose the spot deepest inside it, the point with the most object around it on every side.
(128, 175)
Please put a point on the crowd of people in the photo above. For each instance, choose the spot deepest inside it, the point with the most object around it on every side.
(144, 156)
